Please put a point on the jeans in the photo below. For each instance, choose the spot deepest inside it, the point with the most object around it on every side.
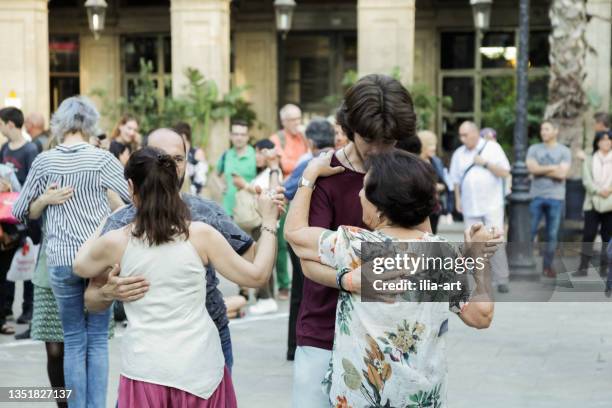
(552, 211)
(226, 346)
(309, 369)
(85, 340)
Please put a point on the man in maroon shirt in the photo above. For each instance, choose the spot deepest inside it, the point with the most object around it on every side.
(377, 113)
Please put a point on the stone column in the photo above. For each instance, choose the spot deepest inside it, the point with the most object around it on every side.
(385, 30)
(598, 64)
(100, 70)
(200, 32)
(24, 54)
(256, 66)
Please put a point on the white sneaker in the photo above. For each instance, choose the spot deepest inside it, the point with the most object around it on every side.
(263, 306)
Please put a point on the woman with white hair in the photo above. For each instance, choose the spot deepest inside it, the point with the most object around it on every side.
(85, 174)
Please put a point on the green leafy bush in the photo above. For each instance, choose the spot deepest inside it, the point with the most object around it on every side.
(200, 104)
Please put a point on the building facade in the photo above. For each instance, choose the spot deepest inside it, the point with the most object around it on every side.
(47, 52)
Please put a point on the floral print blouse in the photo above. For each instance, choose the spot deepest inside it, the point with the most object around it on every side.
(384, 354)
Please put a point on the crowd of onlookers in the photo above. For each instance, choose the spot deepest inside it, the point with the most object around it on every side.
(113, 215)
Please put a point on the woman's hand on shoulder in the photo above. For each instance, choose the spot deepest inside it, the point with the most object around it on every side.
(320, 166)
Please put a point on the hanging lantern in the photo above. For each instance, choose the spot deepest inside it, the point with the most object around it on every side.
(482, 13)
(96, 13)
(284, 14)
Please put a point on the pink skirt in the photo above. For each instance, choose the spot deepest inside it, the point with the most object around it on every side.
(140, 394)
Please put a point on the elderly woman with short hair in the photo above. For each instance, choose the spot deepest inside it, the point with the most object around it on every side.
(85, 173)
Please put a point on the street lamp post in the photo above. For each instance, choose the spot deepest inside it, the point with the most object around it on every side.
(96, 14)
(284, 14)
(520, 251)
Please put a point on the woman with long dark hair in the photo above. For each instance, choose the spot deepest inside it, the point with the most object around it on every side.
(171, 350)
(597, 181)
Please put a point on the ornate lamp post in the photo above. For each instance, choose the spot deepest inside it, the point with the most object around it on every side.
(96, 13)
(284, 14)
(520, 251)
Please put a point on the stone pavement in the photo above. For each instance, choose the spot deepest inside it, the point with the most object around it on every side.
(535, 355)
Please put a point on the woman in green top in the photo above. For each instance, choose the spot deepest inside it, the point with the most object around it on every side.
(597, 180)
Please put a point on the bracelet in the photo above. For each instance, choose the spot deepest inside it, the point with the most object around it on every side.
(270, 230)
(339, 277)
(349, 282)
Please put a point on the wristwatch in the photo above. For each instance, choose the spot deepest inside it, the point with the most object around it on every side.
(306, 183)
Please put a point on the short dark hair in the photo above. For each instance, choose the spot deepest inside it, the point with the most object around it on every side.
(603, 118)
(238, 122)
(410, 144)
(183, 129)
(321, 132)
(379, 108)
(402, 186)
(11, 114)
(264, 144)
(161, 214)
(598, 137)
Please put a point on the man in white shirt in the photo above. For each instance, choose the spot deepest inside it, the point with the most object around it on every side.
(477, 171)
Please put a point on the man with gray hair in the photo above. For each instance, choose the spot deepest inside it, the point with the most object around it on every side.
(35, 126)
(289, 141)
(477, 170)
(291, 145)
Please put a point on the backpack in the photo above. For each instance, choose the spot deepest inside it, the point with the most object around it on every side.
(246, 215)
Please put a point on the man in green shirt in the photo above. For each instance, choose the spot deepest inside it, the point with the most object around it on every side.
(239, 160)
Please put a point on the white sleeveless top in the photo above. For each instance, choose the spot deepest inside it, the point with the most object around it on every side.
(170, 339)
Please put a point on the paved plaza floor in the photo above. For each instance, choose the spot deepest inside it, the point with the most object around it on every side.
(535, 355)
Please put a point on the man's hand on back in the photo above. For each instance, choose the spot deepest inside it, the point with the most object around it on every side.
(125, 289)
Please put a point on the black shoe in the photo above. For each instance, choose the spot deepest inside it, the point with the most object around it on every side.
(25, 318)
(23, 336)
(503, 288)
(608, 291)
(580, 273)
(290, 355)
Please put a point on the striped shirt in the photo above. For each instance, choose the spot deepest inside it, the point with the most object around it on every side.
(90, 172)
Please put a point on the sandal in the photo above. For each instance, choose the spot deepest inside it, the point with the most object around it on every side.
(7, 329)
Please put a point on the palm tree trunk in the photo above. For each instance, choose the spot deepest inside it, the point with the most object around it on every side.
(567, 98)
